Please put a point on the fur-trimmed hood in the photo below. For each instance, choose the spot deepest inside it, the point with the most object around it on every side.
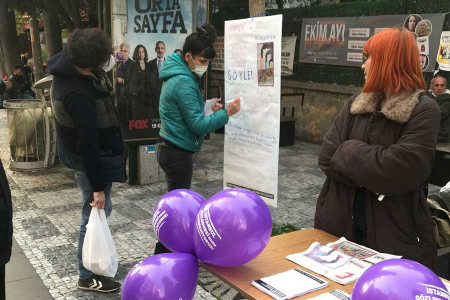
(397, 108)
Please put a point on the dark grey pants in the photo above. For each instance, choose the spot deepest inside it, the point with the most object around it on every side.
(177, 164)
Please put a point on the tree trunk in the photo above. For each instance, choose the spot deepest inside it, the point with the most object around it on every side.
(257, 7)
(36, 46)
(64, 16)
(9, 44)
(72, 8)
(2, 66)
(52, 28)
(280, 4)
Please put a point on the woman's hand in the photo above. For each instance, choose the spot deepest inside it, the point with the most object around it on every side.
(217, 106)
(234, 106)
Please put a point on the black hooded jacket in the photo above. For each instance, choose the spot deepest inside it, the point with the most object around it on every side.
(89, 135)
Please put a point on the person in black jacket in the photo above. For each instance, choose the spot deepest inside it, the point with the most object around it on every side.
(123, 75)
(4, 85)
(123, 86)
(439, 92)
(156, 83)
(21, 87)
(6, 228)
(88, 133)
(140, 85)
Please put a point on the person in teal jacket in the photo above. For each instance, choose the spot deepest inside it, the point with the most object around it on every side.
(181, 108)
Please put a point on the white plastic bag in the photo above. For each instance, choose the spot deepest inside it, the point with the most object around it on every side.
(99, 252)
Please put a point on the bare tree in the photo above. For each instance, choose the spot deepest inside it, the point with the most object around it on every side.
(2, 66)
(72, 8)
(256, 7)
(9, 45)
(52, 28)
(280, 4)
(36, 45)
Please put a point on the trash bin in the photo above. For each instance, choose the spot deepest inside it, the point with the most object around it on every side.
(289, 103)
(31, 133)
(149, 170)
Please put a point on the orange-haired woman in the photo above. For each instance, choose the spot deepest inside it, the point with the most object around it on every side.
(378, 153)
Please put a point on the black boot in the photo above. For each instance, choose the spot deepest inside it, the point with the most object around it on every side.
(160, 248)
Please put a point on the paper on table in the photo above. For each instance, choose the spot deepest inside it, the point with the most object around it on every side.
(208, 106)
(330, 263)
(333, 295)
(289, 284)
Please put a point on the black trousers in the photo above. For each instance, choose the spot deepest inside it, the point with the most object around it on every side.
(2, 283)
(178, 165)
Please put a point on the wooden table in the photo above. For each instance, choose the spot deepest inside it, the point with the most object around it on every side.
(272, 261)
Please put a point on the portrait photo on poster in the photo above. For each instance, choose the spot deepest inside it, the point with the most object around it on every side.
(411, 22)
(424, 61)
(424, 45)
(423, 28)
(265, 61)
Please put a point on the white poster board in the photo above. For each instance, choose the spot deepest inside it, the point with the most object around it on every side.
(253, 71)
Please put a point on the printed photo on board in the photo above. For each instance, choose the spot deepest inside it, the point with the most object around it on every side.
(265, 64)
(423, 28)
(411, 22)
(423, 61)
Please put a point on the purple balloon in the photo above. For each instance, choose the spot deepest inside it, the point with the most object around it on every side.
(162, 276)
(174, 219)
(232, 228)
(398, 279)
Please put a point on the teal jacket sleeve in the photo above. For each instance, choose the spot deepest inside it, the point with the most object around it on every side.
(192, 110)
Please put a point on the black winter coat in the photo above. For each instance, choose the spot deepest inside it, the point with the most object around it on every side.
(444, 105)
(6, 227)
(387, 151)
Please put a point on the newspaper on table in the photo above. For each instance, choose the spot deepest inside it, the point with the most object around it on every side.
(341, 261)
(289, 284)
(333, 295)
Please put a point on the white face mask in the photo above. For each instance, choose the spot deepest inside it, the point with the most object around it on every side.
(109, 64)
(199, 70)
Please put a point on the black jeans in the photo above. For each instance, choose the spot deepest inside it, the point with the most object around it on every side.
(178, 165)
(2, 283)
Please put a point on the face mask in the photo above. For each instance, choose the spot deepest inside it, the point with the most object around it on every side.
(199, 70)
(109, 64)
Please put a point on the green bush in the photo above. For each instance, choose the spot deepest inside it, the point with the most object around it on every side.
(283, 228)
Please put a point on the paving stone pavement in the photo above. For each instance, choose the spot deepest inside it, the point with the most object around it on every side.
(47, 213)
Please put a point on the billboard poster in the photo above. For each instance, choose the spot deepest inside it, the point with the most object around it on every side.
(443, 57)
(153, 30)
(287, 55)
(218, 61)
(253, 72)
(339, 41)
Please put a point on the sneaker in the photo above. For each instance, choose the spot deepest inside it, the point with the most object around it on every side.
(98, 283)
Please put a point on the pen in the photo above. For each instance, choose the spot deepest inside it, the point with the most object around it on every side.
(228, 102)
